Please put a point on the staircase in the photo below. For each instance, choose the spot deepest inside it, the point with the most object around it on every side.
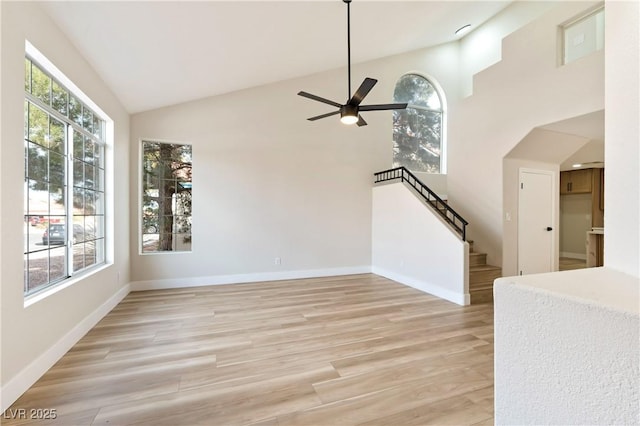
(446, 212)
(481, 277)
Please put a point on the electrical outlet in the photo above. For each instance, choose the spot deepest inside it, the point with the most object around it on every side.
(277, 261)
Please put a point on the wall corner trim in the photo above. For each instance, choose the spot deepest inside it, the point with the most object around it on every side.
(19, 384)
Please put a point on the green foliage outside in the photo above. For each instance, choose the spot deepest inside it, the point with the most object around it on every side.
(166, 203)
(52, 115)
(45, 141)
(417, 130)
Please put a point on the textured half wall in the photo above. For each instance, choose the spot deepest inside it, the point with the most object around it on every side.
(567, 348)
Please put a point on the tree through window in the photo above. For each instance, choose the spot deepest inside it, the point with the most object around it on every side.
(64, 182)
(417, 130)
(166, 198)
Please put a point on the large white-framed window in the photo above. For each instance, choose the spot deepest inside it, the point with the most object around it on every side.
(64, 185)
(418, 131)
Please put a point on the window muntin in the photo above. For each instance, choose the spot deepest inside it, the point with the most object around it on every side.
(166, 197)
(418, 130)
(64, 182)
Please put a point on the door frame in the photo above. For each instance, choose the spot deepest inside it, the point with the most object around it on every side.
(555, 198)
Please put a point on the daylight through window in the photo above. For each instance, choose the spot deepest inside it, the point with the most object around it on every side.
(166, 197)
(583, 36)
(64, 211)
(417, 131)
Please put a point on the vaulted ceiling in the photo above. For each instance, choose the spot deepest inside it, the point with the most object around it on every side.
(158, 53)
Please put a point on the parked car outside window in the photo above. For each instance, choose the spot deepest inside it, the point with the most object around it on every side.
(56, 234)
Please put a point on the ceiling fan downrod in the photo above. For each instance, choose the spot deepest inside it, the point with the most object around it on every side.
(348, 2)
(350, 111)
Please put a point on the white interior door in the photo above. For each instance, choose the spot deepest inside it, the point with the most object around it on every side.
(535, 222)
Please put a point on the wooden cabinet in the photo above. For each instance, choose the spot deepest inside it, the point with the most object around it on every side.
(597, 199)
(565, 177)
(589, 183)
(576, 181)
(586, 181)
(595, 249)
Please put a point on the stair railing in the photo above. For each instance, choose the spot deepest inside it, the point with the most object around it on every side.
(449, 215)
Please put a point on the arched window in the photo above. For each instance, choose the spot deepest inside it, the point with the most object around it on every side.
(418, 142)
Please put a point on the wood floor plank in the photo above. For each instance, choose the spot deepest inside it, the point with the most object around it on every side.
(348, 386)
(226, 403)
(407, 353)
(368, 406)
(432, 413)
(348, 350)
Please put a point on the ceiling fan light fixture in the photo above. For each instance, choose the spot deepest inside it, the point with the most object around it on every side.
(348, 114)
(349, 119)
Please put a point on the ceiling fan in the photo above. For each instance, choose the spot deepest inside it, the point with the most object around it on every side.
(350, 112)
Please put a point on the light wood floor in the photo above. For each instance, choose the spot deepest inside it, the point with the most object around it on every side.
(348, 350)
(568, 263)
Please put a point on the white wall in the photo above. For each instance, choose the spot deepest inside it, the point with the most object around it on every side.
(540, 149)
(412, 245)
(622, 135)
(34, 337)
(248, 208)
(268, 183)
(482, 47)
(566, 344)
(525, 90)
(566, 349)
(275, 188)
(303, 190)
(435, 181)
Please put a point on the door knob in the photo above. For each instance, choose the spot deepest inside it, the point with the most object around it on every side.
(549, 228)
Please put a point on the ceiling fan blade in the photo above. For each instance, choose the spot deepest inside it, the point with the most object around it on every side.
(382, 107)
(361, 121)
(319, 99)
(362, 91)
(318, 117)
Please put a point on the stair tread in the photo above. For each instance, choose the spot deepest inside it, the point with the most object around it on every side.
(480, 286)
(484, 280)
(478, 268)
(481, 277)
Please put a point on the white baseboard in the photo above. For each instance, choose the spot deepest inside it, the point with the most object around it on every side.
(462, 299)
(245, 278)
(15, 387)
(581, 256)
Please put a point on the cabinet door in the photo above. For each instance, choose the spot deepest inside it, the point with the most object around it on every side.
(597, 199)
(601, 202)
(580, 181)
(565, 179)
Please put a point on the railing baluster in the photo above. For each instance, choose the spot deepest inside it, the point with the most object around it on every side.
(447, 213)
